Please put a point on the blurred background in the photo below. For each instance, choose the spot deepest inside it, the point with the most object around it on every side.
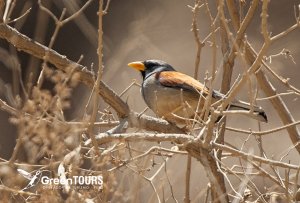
(153, 29)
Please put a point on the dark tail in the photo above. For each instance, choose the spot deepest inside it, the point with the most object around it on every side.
(258, 113)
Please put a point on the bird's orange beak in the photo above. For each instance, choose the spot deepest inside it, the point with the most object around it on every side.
(138, 65)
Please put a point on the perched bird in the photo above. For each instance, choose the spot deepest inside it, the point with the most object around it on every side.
(175, 96)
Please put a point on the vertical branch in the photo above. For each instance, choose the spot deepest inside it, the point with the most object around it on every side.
(9, 7)
(227, 73)
(99, 76)
(59, 23)
(52, 40)
(195, 30)
(18, 145)
(214, 60)
(40, 33)
(2, 4)
(218, 188)
(258, 60)
(227, 66)
(264, 21)
(229, 54)
(234, 14)
(240, 28)
(216, 179)
(100, 43)
(188, 179)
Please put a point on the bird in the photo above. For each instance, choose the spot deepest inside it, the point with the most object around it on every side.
(176, 97)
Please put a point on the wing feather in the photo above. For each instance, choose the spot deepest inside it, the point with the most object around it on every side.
(180, 80)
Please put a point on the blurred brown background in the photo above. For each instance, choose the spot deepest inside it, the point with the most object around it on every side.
(147, 29)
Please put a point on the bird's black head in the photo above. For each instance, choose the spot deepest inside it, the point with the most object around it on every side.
(149, 67)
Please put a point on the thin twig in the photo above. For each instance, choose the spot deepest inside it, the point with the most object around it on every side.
(246, 156)
(260, 133)
(265, 84)
(188, 179)
(96, 87)
(195, 30)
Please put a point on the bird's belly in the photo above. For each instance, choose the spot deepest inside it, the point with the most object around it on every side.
(171, 104)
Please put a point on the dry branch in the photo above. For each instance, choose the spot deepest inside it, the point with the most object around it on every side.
(265, 84)
(195, 30)
(136, 137)
(24, 43)
(206, 147)
(248, 156)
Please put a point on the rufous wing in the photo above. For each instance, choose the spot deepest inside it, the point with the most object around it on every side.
(179, 80)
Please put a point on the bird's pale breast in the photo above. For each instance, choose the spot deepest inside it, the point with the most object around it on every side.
(172, 104)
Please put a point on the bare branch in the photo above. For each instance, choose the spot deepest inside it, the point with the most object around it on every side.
(22, 42)
(96, 87)
(187, 179)
(266, 85)
(77, 13)
(247, 156)
(260, 133)
(137, 137)
(195, 30)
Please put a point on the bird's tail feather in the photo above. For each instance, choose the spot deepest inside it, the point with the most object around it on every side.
(258, 113)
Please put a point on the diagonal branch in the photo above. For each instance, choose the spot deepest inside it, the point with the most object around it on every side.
(24, 43)
(266, 85)
(247, 156)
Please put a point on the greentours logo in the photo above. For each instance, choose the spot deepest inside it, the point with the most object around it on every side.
(61, 182)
